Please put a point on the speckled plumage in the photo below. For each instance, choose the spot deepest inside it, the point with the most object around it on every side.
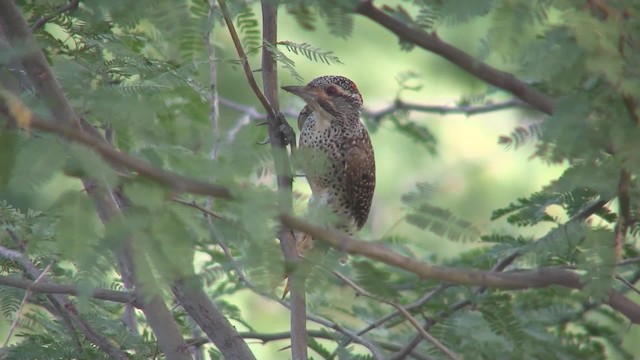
(331, 131)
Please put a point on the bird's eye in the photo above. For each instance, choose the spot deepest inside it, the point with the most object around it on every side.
(331, 90)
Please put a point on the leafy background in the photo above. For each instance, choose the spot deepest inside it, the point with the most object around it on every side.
(144, 73)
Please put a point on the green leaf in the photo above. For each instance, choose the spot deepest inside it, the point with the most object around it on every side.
(311, 52)
(439, 221)
(248, 26)
(78, 229)
(569, 133)
(419, 133)
(597, 257)
(146, 194)
(86, 163)
(498, 311)
(283, 60)
(374, 280)
(319, 349)
(38, 160)
(8, 153)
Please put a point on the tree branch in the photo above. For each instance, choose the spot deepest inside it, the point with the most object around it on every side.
(170, 179)
(515, 280)
(245, 62)
(16, 318)
(468, 110)
(318, 334)
(278, 130)
(214, 108)
(410, 307)
(432, 43)
(211, 320)
(70, 6)
(50, 288)
(435, 342)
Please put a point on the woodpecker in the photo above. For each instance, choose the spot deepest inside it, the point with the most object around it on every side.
(340, 167)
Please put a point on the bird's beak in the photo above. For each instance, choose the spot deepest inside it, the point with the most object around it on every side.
(305, 92)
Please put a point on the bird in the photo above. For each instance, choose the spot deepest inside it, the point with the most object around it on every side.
(340, 164)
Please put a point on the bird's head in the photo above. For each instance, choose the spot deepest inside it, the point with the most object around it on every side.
(335, 96)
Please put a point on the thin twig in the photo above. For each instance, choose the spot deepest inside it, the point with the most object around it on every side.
(435, 342)
(628, 284)
(468, 110)
(14, 324)
(319, 334)
(415, 305)
(244, 61)
(214, 111)
(193, 204)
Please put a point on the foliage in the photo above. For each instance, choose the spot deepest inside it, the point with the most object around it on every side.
(139, 72)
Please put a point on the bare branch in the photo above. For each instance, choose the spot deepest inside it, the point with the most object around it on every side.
(214, 111)
(175, 181)
(70, 6)
(468, 110)
(211, 320)
(435, 342)
(194, 205)
(432, 42)
(277, 128)
(318, 334)
(516, 280)
(50, 288)
(415, 305)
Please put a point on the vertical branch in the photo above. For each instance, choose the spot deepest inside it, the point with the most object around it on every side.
(283, 169)
(214, 110)
(280, 135)
(624, 214)
(211, 320)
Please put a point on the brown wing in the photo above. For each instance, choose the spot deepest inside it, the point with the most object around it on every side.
(360, 178)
